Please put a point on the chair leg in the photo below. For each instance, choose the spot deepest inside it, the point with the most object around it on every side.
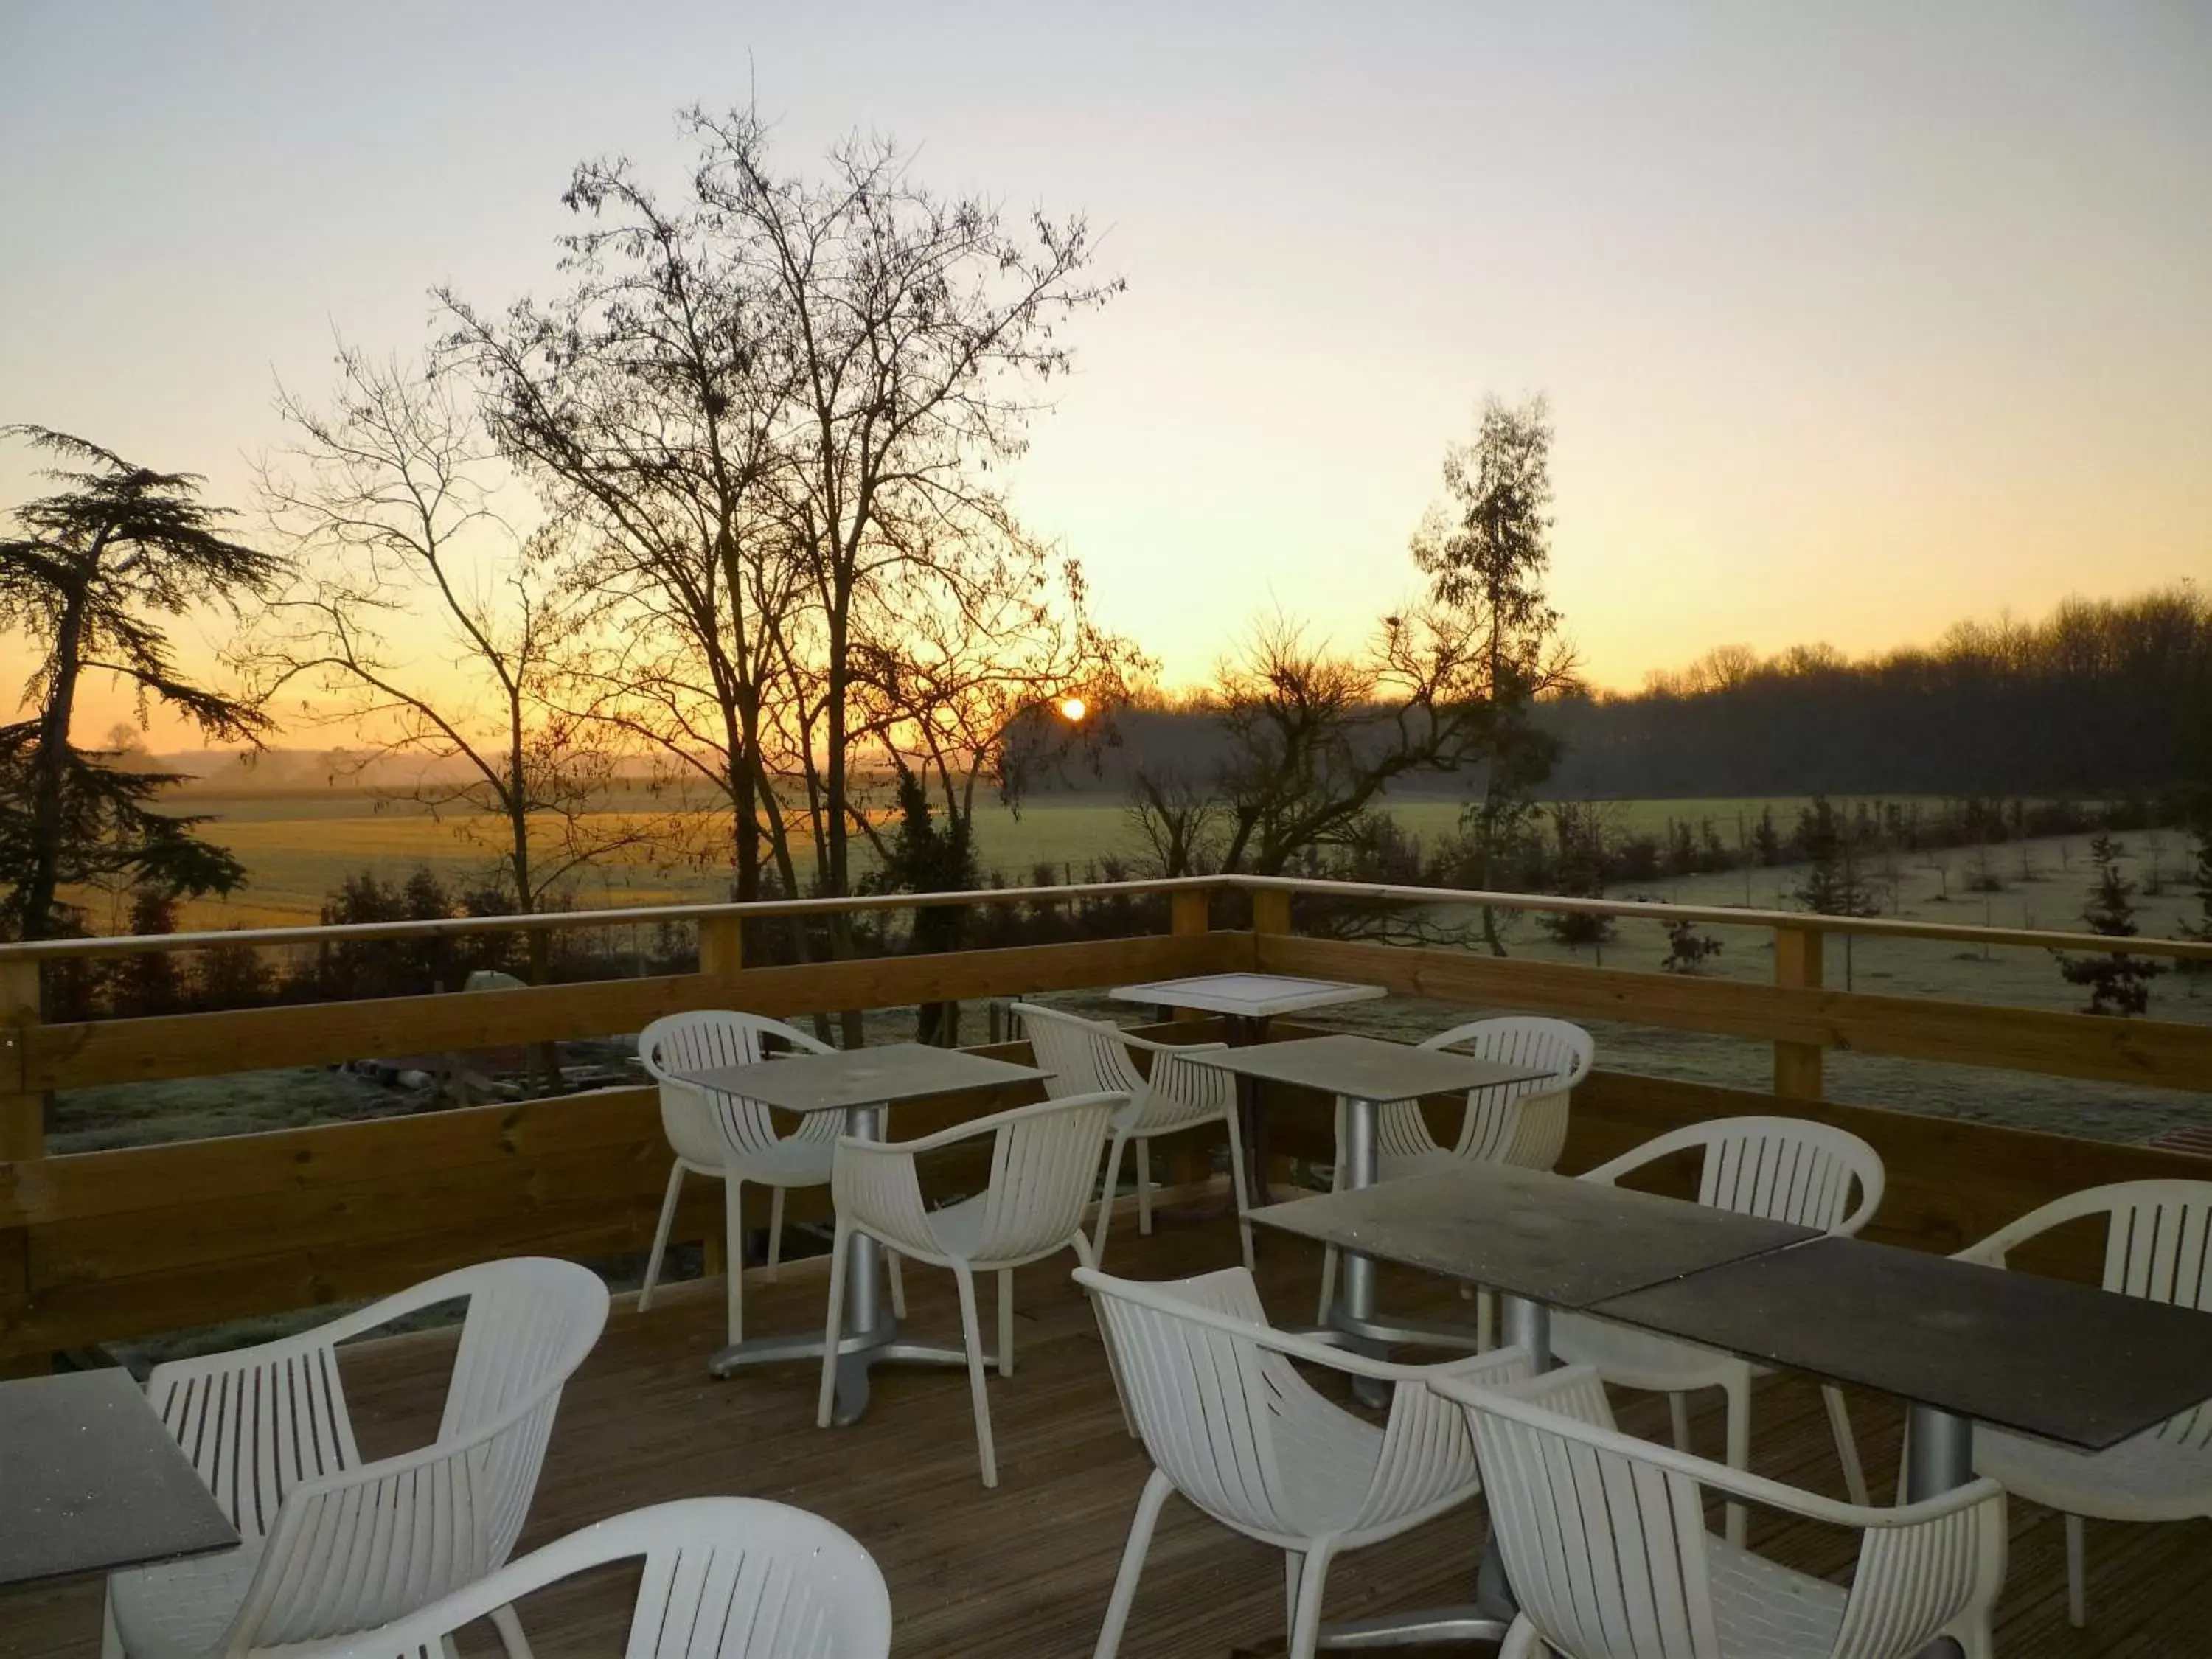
(971, 1334)
(1522, 1641)
(2077, 1589)
(1305, 1630)
(1132, 1565)
(1739, 1445)
(840, 1252)
(1006, 1321)
(1238, 1188)
(1144, 1187)
(111, 1639)
(1294, 1562)
(898, 1282)
(1847, 1445)
(1678, 1417)
(1485, 1318)
(1107, 1195)
(509, 1627)
(774, 1232)
(660, 1238)
(733, 1254)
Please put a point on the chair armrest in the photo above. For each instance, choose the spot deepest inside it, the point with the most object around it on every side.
(877, 1186)
(1427, 1463)
(1916, 1578)
(1156, 1046)
(1286, 1343)
(1527, 1402)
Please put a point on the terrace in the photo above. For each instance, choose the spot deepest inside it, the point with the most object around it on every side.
(98, 1248)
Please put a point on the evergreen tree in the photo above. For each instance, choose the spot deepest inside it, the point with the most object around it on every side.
(1766, 840)
(2118, 983)
(1486, 550)
(149, 983)
(1578, 872)
(926, 857)
(89, 579)
(2200, 882)
(1833, 883)
(232, 976)
(1687, 949)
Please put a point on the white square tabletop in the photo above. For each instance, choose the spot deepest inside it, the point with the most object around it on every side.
(1248, 996)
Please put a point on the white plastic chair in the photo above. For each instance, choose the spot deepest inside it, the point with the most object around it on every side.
(1044, 1159)
(1523, 1124)
(725, 1579)
(1786, 1168)
(729, 1138)
(1603, 1538)
(1231, 1425)
(2158, 1244)
(1088, 1056)
(334, 1545)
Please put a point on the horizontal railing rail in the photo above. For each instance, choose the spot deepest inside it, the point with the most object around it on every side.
(1375, 892)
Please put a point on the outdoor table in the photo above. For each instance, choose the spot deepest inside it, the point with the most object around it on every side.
(1959, 1342)
(1367, 1073)
(91, 1481)
(860, 1083)
(1541, 1241)
(1249, 1002)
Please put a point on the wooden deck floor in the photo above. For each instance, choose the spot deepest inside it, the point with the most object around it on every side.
(1025, 1571)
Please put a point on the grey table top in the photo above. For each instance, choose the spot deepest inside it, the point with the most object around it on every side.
(1528, 1233)
(862, 1077)
(1248, 996)
(2065, 1362)
(1366, 1068)
(91, 1480)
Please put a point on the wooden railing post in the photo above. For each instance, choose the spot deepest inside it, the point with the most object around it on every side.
(1271, 910)
(721, 945)
(1797, 963)
(22, 1108)
(722, 954)
(1188, 916)
(22, 1138)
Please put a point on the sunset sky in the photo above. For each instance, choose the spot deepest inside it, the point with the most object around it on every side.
(1855, 318)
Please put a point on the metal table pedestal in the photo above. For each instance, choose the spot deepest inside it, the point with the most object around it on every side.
(869, 1331)
(1527, 1325)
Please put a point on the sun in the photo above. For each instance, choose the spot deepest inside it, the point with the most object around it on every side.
(1073, 708)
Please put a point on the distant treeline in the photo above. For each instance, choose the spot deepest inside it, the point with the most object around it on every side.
(2101, 700)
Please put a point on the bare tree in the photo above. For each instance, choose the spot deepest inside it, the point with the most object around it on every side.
(426, 621)
(919, 328)
(781, 402)
(647, 400)
(1179, 818)
(1317, 739)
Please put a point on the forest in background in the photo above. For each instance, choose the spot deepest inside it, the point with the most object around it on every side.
(2102, 699)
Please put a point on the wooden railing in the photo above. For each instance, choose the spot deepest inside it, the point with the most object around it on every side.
(107, 1245)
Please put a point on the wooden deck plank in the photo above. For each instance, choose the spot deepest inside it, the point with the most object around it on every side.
(1025, 1570)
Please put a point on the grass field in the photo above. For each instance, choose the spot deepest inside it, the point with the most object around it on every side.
(300, 844)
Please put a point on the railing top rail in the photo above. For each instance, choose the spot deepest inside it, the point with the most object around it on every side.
(452, 927)
(1381, 892)
(1734, 916)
